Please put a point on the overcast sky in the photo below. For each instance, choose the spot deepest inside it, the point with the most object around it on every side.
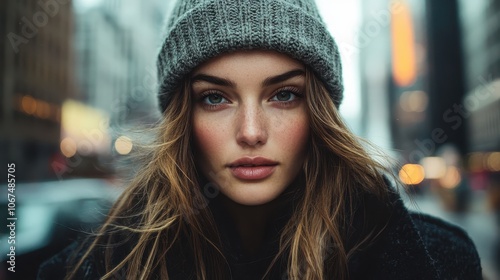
(343, 20)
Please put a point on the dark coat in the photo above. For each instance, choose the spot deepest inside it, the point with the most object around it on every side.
(413, 246)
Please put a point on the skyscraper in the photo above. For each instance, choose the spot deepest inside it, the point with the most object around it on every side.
(37, 75)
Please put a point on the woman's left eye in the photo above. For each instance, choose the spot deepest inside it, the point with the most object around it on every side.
(285, 96)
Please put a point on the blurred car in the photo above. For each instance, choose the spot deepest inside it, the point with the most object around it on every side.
(51, 215)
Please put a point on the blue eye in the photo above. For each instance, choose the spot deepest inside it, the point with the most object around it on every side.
(285, 96)
(214, 99)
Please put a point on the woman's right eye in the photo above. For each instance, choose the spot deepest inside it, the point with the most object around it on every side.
(214, 99)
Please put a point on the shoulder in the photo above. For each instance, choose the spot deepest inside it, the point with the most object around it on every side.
(420, 246)
(451, 249)
(57, 266)
(434, 229)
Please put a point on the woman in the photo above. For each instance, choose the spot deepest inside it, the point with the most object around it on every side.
(253, 174)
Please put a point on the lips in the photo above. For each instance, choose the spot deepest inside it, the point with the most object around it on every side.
(256, 168)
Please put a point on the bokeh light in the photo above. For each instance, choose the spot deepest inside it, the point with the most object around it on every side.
(28, 105)
(451, 178)
(403, 47)
(414, 101)
(123, 145)
(493, 162)
(68, 147)
(412, 174)
(476, 162)
(42, 110)
(435, 167)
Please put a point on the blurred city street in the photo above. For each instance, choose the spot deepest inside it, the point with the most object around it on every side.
(479, 222)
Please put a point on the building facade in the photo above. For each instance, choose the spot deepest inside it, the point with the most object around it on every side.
(37, 76)
(480, 22)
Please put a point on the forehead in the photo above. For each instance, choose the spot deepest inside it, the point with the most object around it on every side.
(244, 62)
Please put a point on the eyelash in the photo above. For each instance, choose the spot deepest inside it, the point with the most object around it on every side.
(206, 94)
(296, 92)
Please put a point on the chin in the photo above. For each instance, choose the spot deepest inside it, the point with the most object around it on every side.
(251, 202)
(253, 196)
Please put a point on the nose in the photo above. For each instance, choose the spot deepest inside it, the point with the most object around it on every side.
(251, 126)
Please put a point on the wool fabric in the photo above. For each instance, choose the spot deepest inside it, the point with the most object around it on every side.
(412, 246)
(198, 30)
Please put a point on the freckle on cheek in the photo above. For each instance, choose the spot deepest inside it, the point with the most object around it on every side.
(205, 134)
(300, 131)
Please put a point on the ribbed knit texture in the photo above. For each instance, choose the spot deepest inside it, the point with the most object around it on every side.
(198, 30)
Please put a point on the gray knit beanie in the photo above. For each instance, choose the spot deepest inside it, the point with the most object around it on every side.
(198, 30)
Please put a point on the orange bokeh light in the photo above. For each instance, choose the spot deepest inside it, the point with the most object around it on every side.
(28, 104)
(403, 47)
(412, 174)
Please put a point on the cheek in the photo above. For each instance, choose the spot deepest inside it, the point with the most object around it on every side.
(209, 138)
(293, 135)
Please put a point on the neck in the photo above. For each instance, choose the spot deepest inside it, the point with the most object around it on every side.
(251, 222)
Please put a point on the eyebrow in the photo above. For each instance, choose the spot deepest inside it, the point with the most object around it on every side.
(283, 77)
(267, 82)
(212, 80)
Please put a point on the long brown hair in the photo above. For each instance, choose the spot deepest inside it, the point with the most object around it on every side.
(164, 206)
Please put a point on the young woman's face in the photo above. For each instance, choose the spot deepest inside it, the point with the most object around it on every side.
(250, 124)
